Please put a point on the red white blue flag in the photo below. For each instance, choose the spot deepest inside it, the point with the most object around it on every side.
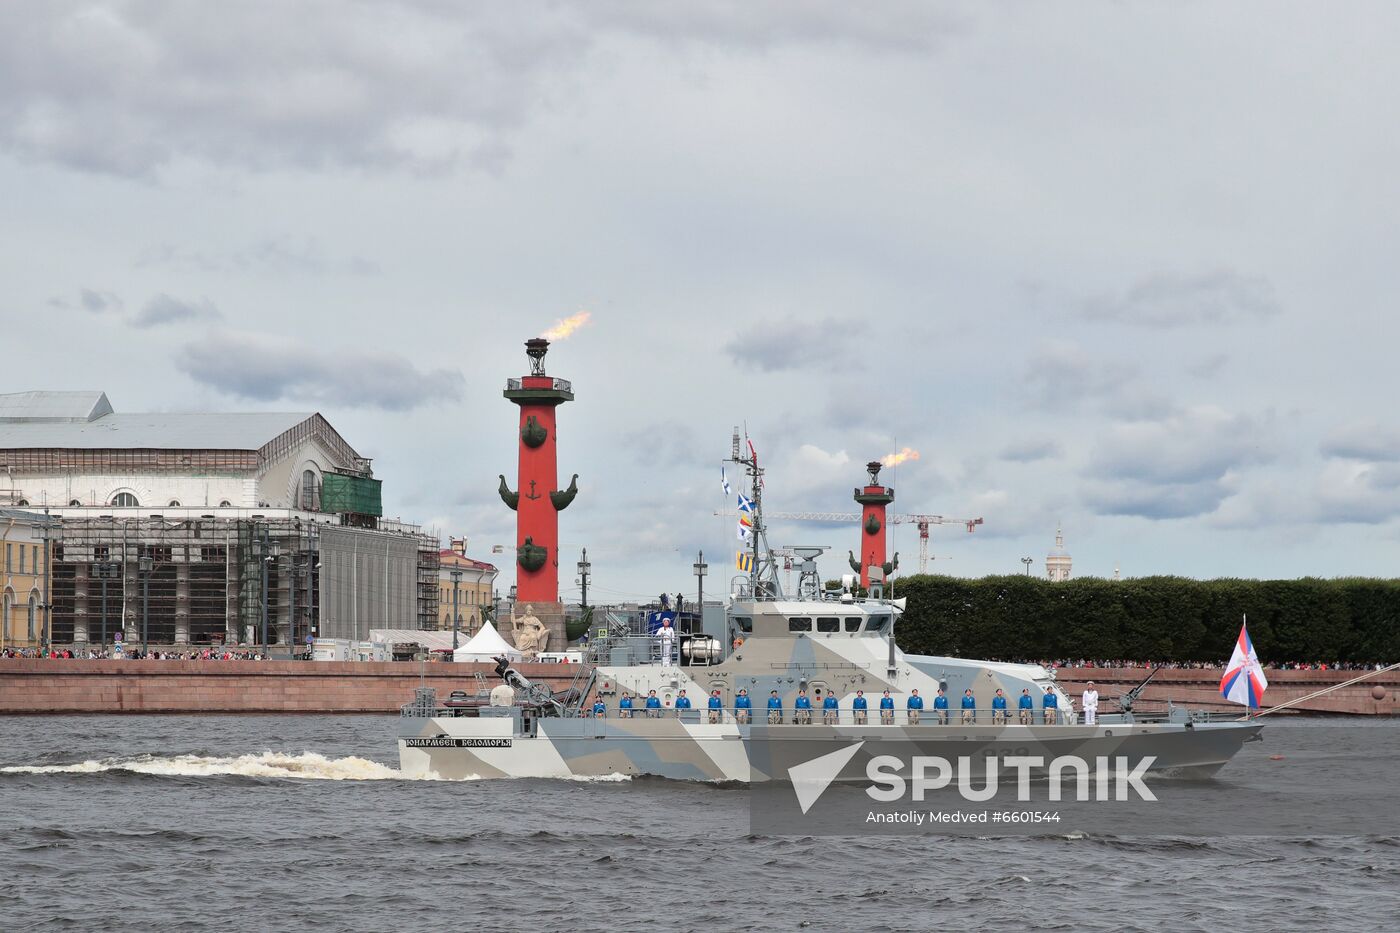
(1244, 680)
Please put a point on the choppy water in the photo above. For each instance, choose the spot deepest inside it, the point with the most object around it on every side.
(301, 822)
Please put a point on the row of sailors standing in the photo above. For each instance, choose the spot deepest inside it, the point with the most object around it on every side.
(860, 707)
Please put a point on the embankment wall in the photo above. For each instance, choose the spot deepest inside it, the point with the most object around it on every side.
(1200, 689)
(73, 686)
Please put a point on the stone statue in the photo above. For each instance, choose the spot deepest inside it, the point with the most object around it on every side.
(531, 635)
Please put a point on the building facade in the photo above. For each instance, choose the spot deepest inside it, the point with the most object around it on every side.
(209, 528)
(1057, 562)
(474, 591)
(26, 547)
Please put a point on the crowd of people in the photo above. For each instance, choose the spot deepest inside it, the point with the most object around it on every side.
(134, 653)
(1197, 665)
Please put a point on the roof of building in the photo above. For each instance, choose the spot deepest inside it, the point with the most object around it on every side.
(53, 406)
(451, 557)
(24, 516)
(158, 431)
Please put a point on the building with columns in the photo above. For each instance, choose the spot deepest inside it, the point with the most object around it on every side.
(209, 528)
(473, 592)
(26, 545)
(1057, 562)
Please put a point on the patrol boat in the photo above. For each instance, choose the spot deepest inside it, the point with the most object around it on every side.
(814, 643)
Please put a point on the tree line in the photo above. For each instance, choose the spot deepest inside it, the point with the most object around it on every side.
(1150, 618)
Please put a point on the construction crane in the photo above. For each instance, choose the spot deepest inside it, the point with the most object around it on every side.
(921, 521)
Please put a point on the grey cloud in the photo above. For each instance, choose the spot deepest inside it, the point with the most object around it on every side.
(666, 444)
(127, 89)
(1029, 450)
(1193, 445)
(1146, 500)
(90, 300)
(1063, 374)
(269, 369)
(774, 346)
(1363, 441)
(1174, 467)
(1173, 300)
(894, 26)
(276, 255)
(1369, 495)
(1135, 404)
(165, 309)
(1207, 367)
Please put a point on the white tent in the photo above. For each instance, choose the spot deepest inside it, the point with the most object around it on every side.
(486, 645)
(430, 640)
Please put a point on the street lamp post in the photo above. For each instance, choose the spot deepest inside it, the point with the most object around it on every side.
(270, 550)
(700, 568)
(456, 616)
(146, 565)
(1027, 561)
(585, 570)
(105, 571)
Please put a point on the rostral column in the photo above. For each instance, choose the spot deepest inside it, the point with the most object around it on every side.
(537, 501)
(873, 499)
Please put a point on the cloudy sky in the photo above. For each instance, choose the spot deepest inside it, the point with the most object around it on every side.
(1130, 267)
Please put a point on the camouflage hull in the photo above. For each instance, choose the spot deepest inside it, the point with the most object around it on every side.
(461, 748)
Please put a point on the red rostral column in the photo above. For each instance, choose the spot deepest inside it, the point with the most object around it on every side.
(873, 499)
(538, 500)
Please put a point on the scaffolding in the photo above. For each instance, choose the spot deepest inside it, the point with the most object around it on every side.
(429, 565)
(184, 581)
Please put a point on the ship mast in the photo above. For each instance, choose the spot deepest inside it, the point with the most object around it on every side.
(763, 572)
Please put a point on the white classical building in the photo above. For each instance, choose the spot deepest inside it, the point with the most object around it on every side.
(65, 450)
(205, 528)
(1057, 562)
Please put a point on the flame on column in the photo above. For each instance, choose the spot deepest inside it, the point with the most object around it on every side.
(567, 326)
(907, 453)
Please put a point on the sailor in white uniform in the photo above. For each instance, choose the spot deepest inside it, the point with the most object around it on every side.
(667, 634)
(1090, 701)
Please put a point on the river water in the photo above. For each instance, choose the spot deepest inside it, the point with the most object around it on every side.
(302, 823)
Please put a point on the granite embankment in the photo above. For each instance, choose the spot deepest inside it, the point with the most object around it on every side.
(73, 686)
(1200, 689)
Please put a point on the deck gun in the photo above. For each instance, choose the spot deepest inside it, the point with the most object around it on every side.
(538, 695)
(1125, 702)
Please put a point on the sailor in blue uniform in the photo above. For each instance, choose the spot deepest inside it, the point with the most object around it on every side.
(940, 707)
(969, 707)
(716, 704)
(599, 708)
(861, 707)
(1051, 704)
(914, 706)
(682, 703)
(803, 709)
(999, 708)
(830, 710)
(653, 705)
(742, 705)
(1027, 707)
(624, 706)
(775, 708)
(887, 709)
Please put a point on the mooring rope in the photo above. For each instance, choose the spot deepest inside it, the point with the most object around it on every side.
(1326, 690)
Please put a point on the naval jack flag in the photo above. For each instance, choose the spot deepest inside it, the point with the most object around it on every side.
(1244, 681)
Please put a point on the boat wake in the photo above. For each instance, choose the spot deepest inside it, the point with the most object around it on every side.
(308, 766)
